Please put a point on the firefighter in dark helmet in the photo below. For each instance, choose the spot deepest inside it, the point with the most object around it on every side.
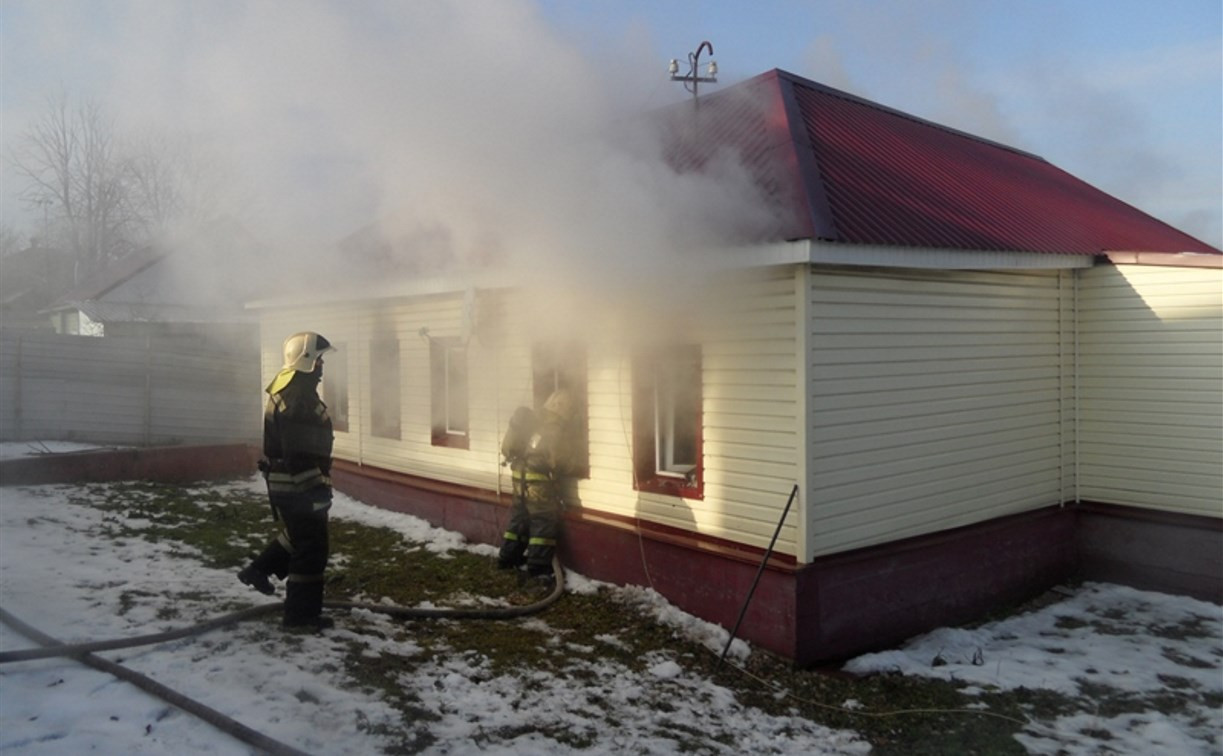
(537, 447)
(297, 439)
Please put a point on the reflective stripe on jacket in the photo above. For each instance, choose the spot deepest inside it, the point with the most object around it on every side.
(285, 482)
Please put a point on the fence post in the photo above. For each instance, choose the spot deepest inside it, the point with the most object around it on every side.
(17, 414)
(148, 389)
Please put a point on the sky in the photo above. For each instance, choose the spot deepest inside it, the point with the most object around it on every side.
(54, 573)
(481, 125)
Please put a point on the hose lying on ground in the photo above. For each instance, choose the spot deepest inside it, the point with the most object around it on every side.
(190, 705)
(406, 612)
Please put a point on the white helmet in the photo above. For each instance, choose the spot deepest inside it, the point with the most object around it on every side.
(302, 351)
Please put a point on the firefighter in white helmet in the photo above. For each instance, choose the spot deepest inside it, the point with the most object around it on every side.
(297, 439)
(538, 448)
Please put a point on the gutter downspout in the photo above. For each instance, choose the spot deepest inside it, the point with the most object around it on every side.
(805, 524)
(1074, 319)
(362, 391)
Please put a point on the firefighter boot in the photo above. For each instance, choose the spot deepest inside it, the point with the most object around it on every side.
(257, 580)
(274, 559)
(304, 606)
(513, 552)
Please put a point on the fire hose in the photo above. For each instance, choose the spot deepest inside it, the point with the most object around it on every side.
(402, 612)
(84, 652)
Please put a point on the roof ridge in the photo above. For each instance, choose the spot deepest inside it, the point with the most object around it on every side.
(819, 213)
(796, 80)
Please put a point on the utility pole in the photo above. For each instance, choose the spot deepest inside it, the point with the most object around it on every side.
(692, 80)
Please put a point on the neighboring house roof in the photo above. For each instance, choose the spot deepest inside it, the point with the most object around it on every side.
(143, 288)
(106, 280)
(31, 278)
(856, 172)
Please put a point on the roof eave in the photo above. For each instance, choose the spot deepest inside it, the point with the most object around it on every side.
(1177, 259)
(815, 252)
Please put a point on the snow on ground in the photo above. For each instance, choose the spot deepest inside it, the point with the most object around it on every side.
(1138, 643)
(56, 577)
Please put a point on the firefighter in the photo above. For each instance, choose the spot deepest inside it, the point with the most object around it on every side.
(537, 447)
(297, 439)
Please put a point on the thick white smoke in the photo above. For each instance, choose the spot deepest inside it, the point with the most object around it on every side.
(457, 133)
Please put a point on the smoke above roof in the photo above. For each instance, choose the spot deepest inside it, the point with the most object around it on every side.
(433, 133)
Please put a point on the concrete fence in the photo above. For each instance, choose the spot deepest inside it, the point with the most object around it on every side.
(127, 390)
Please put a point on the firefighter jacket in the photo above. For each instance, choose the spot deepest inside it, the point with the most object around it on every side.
(297, 439)
(541, 449)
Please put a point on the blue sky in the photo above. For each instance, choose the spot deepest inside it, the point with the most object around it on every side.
(334, 107)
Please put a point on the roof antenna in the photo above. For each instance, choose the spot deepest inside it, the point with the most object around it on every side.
(692, 80)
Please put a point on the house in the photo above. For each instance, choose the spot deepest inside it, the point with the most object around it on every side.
(147, 294)
(30, 280)
(150, 351)
(976, 374)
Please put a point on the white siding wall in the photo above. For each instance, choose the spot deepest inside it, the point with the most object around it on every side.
(750, 427)
(355, 326)
(935, 398)
(1151, 367)
(938, 399)
(748, 339)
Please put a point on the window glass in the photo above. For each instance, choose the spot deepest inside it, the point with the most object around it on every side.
(667, 420)
(676, 416)
(448, 378)
(384, 388)
(456, 389)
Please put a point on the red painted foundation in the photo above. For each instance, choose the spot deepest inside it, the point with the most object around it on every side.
(1157, 551)
(172, 464)
(833, 608)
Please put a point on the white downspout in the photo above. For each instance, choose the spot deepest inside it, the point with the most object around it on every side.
(805, 536)
(1074, 319)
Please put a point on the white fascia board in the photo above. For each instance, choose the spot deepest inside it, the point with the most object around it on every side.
(806, 251)
(940, 258)
(397, 289)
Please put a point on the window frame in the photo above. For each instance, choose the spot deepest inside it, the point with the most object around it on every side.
(446, 394)
(654, 417)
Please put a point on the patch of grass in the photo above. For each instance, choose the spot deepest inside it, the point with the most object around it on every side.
(222, 526)
(1184, 660)
(1195, 626)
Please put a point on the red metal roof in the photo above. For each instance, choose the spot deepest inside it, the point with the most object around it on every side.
(848, 170)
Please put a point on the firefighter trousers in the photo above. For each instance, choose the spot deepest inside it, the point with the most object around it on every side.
(298, 555)
(534, 528)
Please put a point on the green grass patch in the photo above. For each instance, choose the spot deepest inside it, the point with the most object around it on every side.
(223, 526)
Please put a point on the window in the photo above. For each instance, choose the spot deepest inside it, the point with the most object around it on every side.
(335, 386)
(556, 366)
(448, 383)
(384, 387)
(667, 421)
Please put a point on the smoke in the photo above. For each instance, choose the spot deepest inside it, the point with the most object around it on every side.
(437, 134)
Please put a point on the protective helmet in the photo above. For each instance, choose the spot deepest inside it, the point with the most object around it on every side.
(302, 351)
(560, 403)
